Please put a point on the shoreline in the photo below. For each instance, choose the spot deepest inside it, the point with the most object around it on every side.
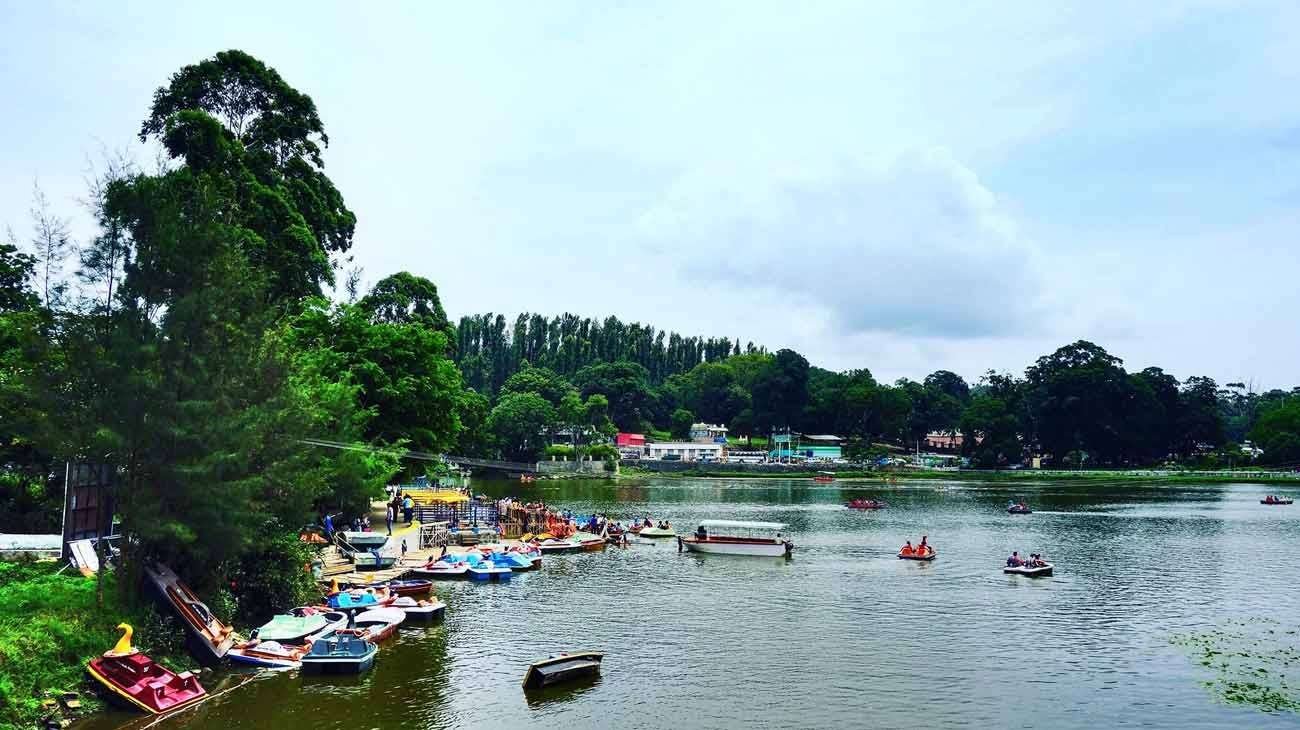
(1025, 475)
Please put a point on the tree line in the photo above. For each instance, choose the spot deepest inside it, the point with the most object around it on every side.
(188, 343)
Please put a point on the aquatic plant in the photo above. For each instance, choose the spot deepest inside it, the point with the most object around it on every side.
(1253, 662)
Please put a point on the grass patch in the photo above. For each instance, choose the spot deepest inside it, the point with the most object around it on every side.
(51, 624)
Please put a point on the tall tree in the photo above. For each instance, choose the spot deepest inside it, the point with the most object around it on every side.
(51, 246)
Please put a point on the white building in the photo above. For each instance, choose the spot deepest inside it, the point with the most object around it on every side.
(708, 433)
(684, 451)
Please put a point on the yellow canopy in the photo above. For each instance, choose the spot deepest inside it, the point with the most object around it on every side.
(429, 496)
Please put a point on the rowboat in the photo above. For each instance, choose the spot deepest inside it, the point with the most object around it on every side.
(363, 540)
(1277, 501)
(341, 652)
(441, 570)
(420, 610)
(1040, 571)
(732, 537)
(372, 560)
(208, 638)
(138, 682)
(379, 623)
(865, 504)
(409, 587)
(562, 668)
(269, 654)
(931, 555)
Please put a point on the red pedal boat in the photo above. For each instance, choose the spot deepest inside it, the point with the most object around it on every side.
(138, 681)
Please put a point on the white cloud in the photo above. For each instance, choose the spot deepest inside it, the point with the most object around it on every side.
(917, 246)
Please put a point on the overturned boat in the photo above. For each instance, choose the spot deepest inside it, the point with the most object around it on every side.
(562, 668)
(207, 637)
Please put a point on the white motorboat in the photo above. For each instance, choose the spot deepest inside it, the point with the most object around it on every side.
(733, 537)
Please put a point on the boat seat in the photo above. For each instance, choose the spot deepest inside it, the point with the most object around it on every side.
(158, 688)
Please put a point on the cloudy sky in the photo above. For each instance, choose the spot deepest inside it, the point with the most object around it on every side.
(902, 186)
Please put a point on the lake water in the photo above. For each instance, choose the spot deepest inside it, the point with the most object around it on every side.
(843, 634)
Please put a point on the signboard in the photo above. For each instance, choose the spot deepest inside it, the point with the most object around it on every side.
(87, 502)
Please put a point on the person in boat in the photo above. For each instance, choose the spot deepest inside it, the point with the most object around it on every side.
(647, 523)
(1011, 504)
(907, 550)
(701, 533)
(1014, 561)
(923, 548)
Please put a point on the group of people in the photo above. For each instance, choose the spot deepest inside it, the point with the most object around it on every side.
(1035, 560)
(663, 524)
(1273, 499)
(1014, 505)
(920, 551)
(400, 504)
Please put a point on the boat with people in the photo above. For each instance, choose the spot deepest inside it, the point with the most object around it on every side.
(865, 504)
(208, 638)
(141, 683)
(1032, 567)
(1274, 499)
(561, 668)
(660, 529)
(422, 610)
(379, 623)
(445, 568)
(736, 537)
(923, 552)
(1018, 508)
(824, 477)
(346, 651)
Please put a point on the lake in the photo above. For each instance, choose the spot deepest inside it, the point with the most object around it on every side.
(844, 633)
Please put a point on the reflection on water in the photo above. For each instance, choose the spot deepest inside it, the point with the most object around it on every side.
(842, 634)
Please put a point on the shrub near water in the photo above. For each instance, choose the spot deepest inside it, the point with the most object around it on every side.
(50, 626)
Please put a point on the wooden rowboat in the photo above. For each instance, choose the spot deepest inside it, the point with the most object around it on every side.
(209, 639)
(562, 668)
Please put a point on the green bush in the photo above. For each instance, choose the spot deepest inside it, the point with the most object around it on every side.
(602, 452)
(558, 451)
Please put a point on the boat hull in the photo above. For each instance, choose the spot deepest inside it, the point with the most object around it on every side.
(128, 679)
(274, 657)
(1279, 502)
(759, 549)
(656, 532)
(920, 558)
(459, 571)
(207, 638)
(1041, 572)
(489, 574)
(364, 540)
(1014, 511)
(561, 669)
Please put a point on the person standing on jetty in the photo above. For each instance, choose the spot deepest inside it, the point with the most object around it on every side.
(328, 523)
(389, 517)
(408, 507)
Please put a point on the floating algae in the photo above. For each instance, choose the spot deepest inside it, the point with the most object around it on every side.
(1254, 662)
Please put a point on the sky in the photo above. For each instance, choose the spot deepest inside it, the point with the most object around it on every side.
(903, 187)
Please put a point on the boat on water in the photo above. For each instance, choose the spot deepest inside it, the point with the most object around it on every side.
(208, 638)
(372, 560)
(1018, 508)
(516, 562)
(334, 620)
(734, 537)
(290, 629)
(486, 570)
(341, 652)
(1036, 571)
(356, 599)
(363, 540)
(428, 610)
(408, 587)
(928, 555)
(824, 477)
(269, 654)
(551, 545)
(655, 531)
(139, 682)
(442, 570)
(588, 542)
(562, 668)
(1276, 501)
(865, 504)
(379, 624)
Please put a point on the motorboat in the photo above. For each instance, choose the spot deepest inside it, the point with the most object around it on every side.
(269, 654)
(733, 537)
(442, 570)
(341, 652)
(1276, 501)
(363, 541)
(379, 623)
(428, 610)
(1031, 572)
(141, 683)
(208, 638)
(865, 504)
(562, 668)
(1019, 509)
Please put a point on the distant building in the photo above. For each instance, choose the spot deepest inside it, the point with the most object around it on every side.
(942, 441)
(629, 439)
(814, 447)
(708, 433)
(684, 451)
